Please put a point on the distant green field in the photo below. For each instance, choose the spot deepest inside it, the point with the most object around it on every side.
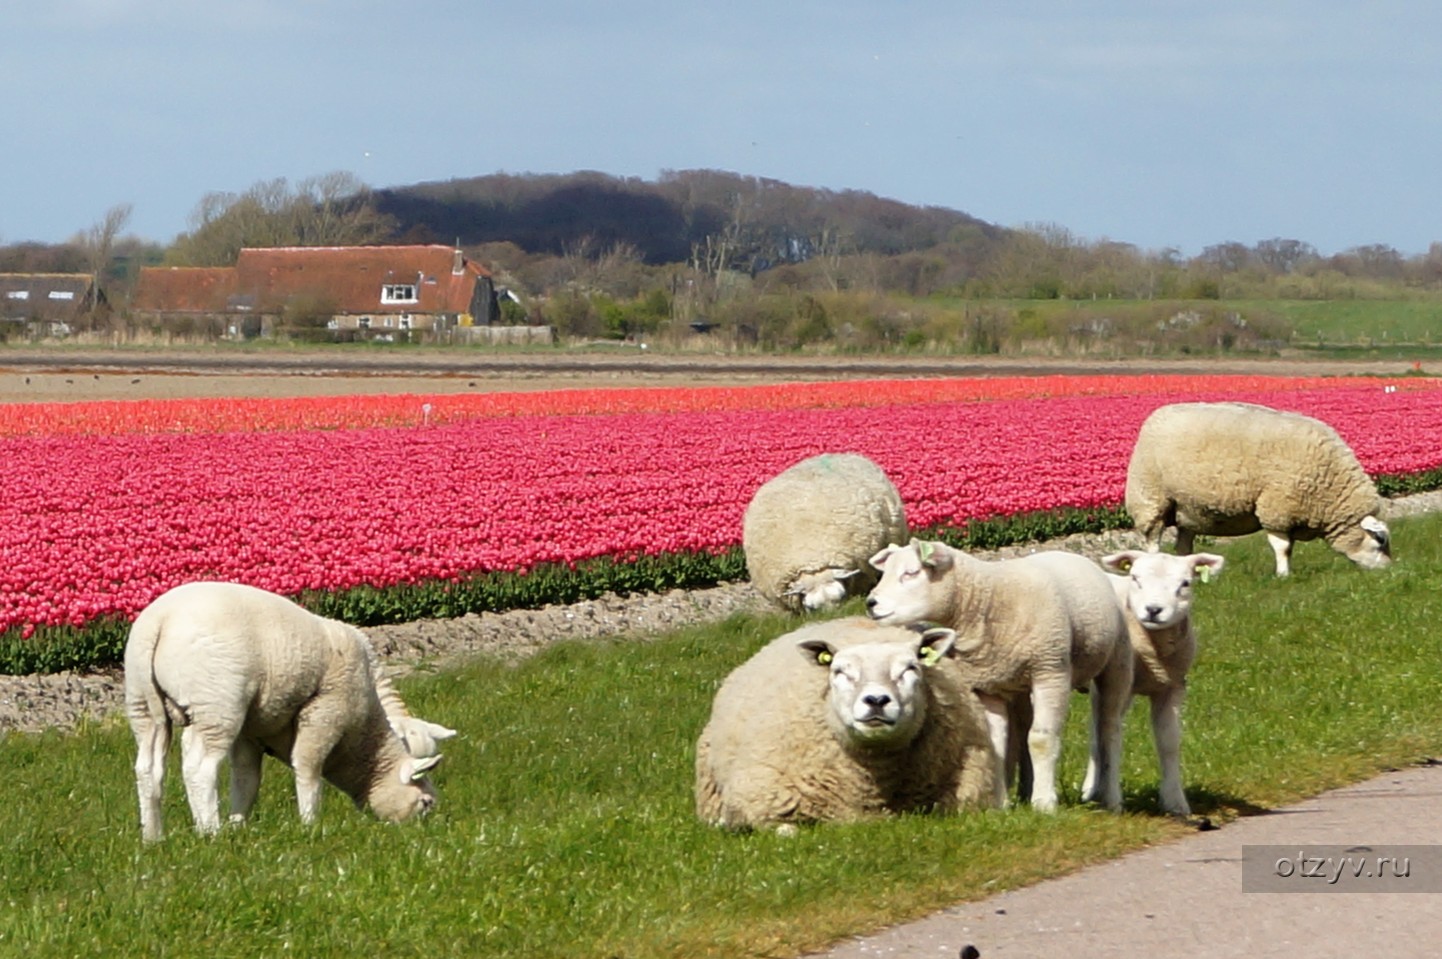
(566, 828)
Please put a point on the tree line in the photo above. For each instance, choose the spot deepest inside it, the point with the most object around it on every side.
(598, 255)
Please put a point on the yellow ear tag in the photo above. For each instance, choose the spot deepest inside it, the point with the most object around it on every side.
(930, 656)
(1205, 575)
(823, 658)
(1125, 566)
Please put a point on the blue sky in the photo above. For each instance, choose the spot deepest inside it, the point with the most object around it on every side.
(1152, 122)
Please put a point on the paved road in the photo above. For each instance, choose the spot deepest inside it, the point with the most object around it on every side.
(1186, 899)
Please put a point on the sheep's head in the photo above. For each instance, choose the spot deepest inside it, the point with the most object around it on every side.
(913, 586)
(1159, 588)
(877, 693)
(823, 589)
(1368, 544)
(409, 794)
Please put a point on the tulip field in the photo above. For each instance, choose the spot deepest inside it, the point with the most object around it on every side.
(107, 505)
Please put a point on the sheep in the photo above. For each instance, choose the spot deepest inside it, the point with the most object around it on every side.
(1155, 593)
(245, 671)
(808, 531)
(1228, 469)
(1034, 629)
(842, 720)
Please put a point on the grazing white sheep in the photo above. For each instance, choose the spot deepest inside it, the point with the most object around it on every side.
(245, 672)
(809, 530)
(1155, 592)
(1228, 469)
(1032, 629)
(840, 720)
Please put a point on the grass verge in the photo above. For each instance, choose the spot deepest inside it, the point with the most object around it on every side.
(565, 826)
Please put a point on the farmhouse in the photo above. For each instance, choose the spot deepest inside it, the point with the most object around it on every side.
(386, 292)
(46, 304)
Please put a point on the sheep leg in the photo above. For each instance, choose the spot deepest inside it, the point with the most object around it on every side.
(1186, 540)
(1167, 732)
(200, 756)
(1282, 546)
(313, 744)
(1019, 719)
(245, 759)
(996, 726)
(152, 745)
(1110, 697)
(1049, 701)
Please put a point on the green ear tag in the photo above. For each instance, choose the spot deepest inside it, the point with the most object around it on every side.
(823, 658)
(929, 656)
(1206, 574)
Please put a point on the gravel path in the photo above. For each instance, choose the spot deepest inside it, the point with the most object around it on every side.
(63, 700)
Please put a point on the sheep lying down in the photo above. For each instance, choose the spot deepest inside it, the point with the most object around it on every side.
(841, 720)
(245, 672)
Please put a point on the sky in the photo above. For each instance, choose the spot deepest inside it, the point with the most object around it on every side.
(1168, 125)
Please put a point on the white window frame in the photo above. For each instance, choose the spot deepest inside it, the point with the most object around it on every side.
(399, 293)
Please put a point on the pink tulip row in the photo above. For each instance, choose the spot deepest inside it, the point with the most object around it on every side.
(92, 525)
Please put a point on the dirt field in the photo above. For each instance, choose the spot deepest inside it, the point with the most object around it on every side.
(37, 702)
(72, 376)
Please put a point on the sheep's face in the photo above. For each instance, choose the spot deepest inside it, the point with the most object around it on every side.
(1159, 585)
(821, 590)
(413, 795)
(914, 585)
(1368, 544)
(877, 692)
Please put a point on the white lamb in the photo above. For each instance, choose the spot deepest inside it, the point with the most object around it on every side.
(244, 671)
(809, 530)
(1155, 591)
(841, 720)
(1228, 469)
(1033, 629)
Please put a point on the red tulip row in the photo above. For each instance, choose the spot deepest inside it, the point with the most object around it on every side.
(92, 525)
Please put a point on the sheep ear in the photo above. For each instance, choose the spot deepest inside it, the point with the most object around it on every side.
(931, 556)
(935, 644)
(1120, 562)
(845, 574)
(795, 591)
(878, 561)
(413, 769)
(818, 651)
(1206, 565)
(1376, 529)
(438, 731)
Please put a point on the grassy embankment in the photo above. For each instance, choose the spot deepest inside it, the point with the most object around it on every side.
(565, 826)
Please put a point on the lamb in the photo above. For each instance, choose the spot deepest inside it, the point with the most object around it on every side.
(1033, 629)
(841, 720)
(1155, 592)
(1228, 469)
(245, 671)
(809, 530)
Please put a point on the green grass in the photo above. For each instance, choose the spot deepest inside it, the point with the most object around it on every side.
(566, 829)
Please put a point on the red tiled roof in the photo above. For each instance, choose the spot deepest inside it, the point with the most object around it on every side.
(184, 289)
(347, 279)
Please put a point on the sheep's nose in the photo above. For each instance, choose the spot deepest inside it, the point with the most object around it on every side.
(1153, 612)
(876, 700)
(871, 602)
